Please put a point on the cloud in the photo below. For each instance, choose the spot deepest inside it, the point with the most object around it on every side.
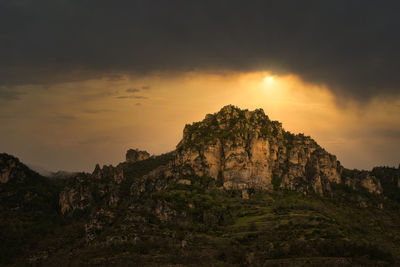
(132, 90)
(140, 97)
(351, 46)
(9, 95)
(96, 111)
(64, 117)
(132, 97)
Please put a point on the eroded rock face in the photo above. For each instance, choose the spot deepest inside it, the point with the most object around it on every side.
(115, 173)
(11, 169)
(82, 190)
(135, 155)
(245, 149)
(77, 195)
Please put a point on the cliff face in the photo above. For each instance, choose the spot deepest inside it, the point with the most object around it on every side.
(134, 155)
(11, 169)
(390, 180)
(245, 149)
(77, 195)
(84, 189)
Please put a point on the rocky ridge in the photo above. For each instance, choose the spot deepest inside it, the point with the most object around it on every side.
(12, 170)
(245, 149)
(239, 150)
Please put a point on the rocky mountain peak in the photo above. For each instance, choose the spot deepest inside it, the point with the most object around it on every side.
(11, 169)
(134, 155)
(230, 123)
(244, 149)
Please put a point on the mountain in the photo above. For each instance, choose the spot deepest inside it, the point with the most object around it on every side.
(56, 175)
(238, 190)
(28, 208)
(42, 171)
(247, 150)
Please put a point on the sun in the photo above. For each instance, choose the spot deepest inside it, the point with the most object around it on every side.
(269, 80)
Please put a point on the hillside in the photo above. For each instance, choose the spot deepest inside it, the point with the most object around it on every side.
(238, 190)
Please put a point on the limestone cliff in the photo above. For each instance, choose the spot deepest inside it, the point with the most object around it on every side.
(245, 149)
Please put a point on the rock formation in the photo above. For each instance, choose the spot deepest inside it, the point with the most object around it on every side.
(239, 149)
(11, 169)
(134, 155)
(245, 149)
(102, 183)
(77, 195)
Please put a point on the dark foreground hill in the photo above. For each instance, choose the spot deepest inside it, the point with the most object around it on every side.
(238, 190)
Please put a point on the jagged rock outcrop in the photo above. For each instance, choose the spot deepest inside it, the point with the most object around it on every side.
(106, 185)
(245, 149)
(115, 173)
(84, 188)
(11, 169)
(77, 195)
(134, 155)
(390, 181)
(362, 179)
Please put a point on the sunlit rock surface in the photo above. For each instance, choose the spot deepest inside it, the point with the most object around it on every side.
(245, 149)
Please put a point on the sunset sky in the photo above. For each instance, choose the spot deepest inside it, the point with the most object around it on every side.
(83, 81)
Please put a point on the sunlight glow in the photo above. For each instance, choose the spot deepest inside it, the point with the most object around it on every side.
(269, 80)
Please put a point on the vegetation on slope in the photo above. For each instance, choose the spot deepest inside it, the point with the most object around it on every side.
(202, 224)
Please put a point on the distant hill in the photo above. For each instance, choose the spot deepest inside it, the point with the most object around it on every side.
(56, 175)
(238, 190)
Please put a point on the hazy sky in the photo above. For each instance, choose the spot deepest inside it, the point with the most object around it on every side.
(83, 81)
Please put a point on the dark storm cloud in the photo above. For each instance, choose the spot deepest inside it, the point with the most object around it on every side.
(9, 95)
(352, 46)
